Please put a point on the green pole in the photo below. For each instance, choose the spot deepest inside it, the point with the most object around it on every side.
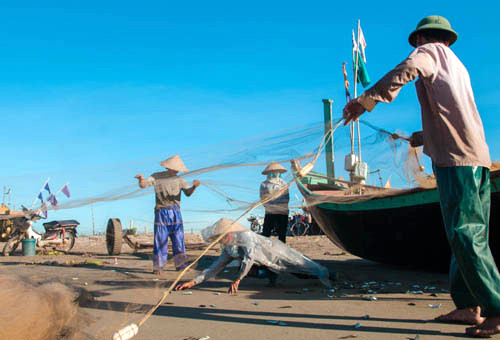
(329, 154)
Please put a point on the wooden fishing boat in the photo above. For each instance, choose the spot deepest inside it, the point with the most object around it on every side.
(404, 227)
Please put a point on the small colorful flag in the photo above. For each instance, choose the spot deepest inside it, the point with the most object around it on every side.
(40, 197)
(65, 190)
(346, 83)
(358, 55)
(46, 187)
(362, 76)
(362, 44)
(53, 200)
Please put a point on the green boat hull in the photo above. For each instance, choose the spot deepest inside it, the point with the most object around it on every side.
(404, 229)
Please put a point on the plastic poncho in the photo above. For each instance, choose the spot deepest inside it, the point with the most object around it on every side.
(251, 248)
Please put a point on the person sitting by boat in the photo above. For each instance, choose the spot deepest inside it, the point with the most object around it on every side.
(168, 218)
(276, 216)
(263, 256)
(453, 137)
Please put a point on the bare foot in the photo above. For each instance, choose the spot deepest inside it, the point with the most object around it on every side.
(468, 316)
(489, 327)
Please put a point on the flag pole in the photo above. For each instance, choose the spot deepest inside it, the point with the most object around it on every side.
(36, 197)
(355, 90)
(351, 125)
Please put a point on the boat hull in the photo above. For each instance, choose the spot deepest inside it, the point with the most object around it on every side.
(406, 230)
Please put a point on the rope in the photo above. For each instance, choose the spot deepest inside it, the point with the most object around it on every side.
(308, 166)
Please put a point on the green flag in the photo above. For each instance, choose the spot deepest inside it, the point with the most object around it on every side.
(363, 76)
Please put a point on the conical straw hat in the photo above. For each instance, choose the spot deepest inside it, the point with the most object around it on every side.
(274, 166)
(221, 226)
(174, 163)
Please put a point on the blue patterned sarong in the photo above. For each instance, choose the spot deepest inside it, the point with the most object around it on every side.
(168, 223)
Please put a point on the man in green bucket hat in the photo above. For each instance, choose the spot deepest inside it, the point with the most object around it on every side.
(453, 137)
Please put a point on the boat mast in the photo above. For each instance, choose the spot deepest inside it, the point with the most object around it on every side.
(329, 151)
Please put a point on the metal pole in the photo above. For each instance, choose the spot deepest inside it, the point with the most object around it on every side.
(329, 151)
(355, 90)
(92, 214)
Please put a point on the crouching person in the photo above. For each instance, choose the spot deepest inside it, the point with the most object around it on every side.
(271, 257)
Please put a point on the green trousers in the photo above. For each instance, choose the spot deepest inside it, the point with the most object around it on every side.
(464, 193)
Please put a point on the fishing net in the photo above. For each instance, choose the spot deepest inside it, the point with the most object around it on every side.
(230, 177)
(230, 174)
(40, 311)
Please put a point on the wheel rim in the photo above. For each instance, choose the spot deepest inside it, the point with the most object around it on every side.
(69, 241)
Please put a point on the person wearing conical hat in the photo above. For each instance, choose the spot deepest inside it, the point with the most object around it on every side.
(259, 256)
(168, 219)
(275, 189)
(453, 137)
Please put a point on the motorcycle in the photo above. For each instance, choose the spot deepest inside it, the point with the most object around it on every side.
(255, 223)
(59, 235)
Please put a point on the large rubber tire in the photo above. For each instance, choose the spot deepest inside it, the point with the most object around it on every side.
(11, 245)
(114, 236)
(70, 242)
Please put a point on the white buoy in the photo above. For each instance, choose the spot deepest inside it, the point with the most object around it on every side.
(127, 332)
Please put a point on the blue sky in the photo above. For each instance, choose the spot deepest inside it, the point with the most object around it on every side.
(87, 87)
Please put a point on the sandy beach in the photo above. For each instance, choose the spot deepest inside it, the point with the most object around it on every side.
(371, 301)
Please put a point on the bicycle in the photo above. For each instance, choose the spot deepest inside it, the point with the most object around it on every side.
(298, 225)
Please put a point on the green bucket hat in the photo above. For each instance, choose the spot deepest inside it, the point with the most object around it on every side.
(434, 22)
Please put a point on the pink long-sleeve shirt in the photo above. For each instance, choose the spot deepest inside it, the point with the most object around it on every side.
(452, 128)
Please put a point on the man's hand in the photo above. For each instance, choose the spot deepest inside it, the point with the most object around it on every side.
(233, 288)
(352, 111)
(196, 183)
(185, 285)
(417, 139)
(139, 177)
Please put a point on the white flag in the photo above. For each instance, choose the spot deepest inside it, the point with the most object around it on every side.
(362, 44)
(354, 44)
(388, 183)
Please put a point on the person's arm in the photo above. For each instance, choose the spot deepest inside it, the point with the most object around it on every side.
(263, 191)
(144, 182)
(286, 194)
(246, 264)
(189, 191)
(419, 63)
(206, 274)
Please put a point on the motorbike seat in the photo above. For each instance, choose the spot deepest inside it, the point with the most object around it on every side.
(61, 223)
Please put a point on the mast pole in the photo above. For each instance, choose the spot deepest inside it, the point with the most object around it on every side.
(355, 89)
(329, 150)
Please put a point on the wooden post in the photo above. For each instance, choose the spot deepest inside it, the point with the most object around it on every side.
(329, 151)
